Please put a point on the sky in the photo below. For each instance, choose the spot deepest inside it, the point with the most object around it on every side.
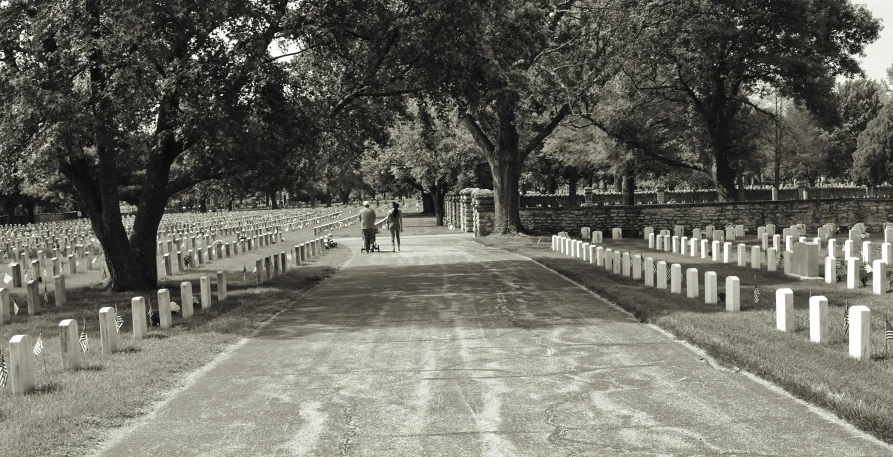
(879, 55)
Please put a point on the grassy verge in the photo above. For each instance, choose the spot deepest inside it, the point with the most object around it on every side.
(71, 411)
(822, 374)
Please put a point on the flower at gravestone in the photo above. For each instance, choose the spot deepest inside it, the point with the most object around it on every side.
(7, 278)
(15, 306)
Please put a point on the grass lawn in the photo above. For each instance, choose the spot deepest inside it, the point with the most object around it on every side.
(71, 411)
(823, 374)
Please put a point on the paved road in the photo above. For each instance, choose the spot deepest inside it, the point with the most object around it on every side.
(452, 349)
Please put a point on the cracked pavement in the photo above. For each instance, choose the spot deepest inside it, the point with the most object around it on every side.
(452, 349)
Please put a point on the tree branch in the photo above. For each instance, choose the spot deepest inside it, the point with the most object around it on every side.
(479, 136)
(546, 131)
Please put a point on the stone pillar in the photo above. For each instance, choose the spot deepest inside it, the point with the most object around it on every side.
(755, 258)
(716, 250)
(164, 308)
(853, 273)
(649, 272)
(259, 271)
(592, 253)
(733, 294)
(186, 299)
(691, 283)
(627, 264)
(674, 243)
(676, 278)
(879, 279)
(784, 310)
(275, 265)
(600, 256)
(71, 349)
(661, 275)
(860, 332)
(138, 316)
(788, 262)
(651, 241)
(5, 316)
(107, 333)
(616, 263)
(818, 319)
(205, 289)
(16, 272)
(710, 288)
(587, 191)
(586, 251)
(637, 267)
(268, 267)
(168, 269)
(21, 364)
(830, 270)
(221, 286)
(704, 249)
(59, 291)
(32, 290)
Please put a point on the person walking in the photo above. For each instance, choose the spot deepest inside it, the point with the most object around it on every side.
(395, 225)
(367, 223)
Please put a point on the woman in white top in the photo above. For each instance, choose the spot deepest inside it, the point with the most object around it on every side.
(395, 225)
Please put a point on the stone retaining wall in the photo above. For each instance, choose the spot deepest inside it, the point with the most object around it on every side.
(632, 219)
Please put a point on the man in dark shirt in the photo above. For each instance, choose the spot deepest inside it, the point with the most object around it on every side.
(367, 222)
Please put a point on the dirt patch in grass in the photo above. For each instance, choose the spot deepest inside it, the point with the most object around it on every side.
(823, 374)
(71, 411)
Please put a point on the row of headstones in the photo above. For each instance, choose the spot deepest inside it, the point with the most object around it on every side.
(32, 298)
(858, 319)
(337, 225)
(219, 251)
(231, 223)
(801, 258)
(631, 266)
(20, 347)
(35, 273)
(270, 267)
(21, 371)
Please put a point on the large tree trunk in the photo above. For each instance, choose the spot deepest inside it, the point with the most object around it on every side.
(427, 203)
(506, 176)
(274, 204)
(618, 182)
(438, 196)
(723, 177)
(572, 178)
(344, 195)
(629, 188)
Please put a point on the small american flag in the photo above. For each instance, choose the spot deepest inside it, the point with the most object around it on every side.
(119, 321)
(888, 334)
(846, 319)
(669, 274)
(841, 269)
(756, 295)
(83, 340)
(4, 371)
(38, 346)
(151, 313)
